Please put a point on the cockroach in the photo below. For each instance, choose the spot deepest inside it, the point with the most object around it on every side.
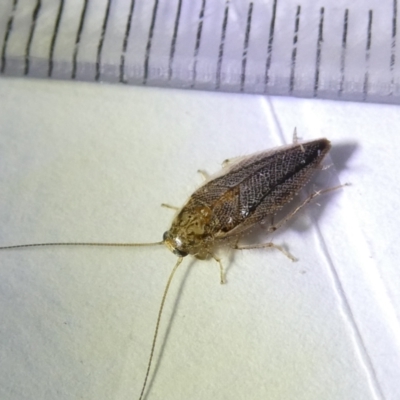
(249, 190)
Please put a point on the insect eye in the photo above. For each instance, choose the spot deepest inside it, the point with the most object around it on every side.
(180, 253)
(165, 236)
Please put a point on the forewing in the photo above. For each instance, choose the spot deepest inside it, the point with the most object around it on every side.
(258, 186)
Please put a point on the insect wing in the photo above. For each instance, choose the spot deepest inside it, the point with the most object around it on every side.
(258, 186)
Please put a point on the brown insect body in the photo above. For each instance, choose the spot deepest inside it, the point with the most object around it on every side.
(249, 191)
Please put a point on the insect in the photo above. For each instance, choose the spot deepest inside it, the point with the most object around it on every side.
(248, 191)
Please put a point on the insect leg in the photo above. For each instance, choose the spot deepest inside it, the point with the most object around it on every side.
(204, 174)
(304, 203)
(264, 246)
(170, 207)
(229, 161)
(221, 268)
(295, 139)
(226, 162)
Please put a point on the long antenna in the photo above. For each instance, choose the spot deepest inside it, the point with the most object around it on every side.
(158, 325)
(19, 246)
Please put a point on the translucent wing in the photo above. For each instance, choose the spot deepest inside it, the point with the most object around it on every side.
(256, 187)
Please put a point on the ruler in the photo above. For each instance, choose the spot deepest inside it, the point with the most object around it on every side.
(345, 50)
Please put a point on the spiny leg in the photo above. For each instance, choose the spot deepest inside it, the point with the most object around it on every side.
(204, 174)
(264, 246)
(221, 268)
(295, 139)
(230, 161)
(281, 223)
(303, 204)
(226, 162)
(170, 207)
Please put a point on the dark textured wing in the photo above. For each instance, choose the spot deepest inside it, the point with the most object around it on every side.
(258, 186)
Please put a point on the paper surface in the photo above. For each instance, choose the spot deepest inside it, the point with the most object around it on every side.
(83, 162)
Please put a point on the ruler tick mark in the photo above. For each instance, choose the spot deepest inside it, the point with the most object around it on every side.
(343, 51)
(270, 46)
(198, 40)
(245, 47)
(319, 50)
(149, 40)
(393, 46)
(367, 55)
(78, 39)
(54, 38)
(101, 41)
(221, 46)
(294, 51)
(31, 34)
(174, 38)
(122, 78)
(7, 36)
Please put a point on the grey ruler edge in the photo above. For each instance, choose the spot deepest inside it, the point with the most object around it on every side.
(343, 50)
